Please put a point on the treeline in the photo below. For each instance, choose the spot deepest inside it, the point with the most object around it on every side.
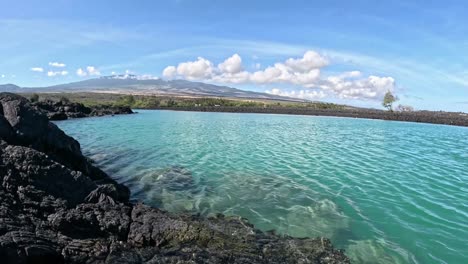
(156, 102)
(148, 102)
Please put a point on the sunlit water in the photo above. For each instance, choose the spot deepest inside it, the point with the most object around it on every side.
(386, 192)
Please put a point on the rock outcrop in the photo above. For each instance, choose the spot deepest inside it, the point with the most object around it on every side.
(58, 208)
(59, 110)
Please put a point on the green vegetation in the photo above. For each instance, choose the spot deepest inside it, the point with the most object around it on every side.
(64, 100)
(152, 102)
(34, 98)
(388, 100)
(126, 100)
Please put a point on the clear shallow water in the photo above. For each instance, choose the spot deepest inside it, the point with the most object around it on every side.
(387, 192)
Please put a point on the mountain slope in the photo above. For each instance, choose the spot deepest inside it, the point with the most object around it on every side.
(131, 84)
(10, 88)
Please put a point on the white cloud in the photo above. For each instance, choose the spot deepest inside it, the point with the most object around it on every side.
(92, 70)
(37, 69)
(57, 64)
(240, 77)
(231, 65)
(147, 77)
(193, 70)
(350, 74)
(372, 87)
(3, 75)
(80, 72)
(303, 72)
(310, 61)
(302, 94)
(169, 72)
(56, 73)
(296, 71)
(89, 71)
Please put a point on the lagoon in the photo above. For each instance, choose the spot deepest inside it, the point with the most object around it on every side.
(386, 192)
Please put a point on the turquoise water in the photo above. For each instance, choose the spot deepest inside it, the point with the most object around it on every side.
(386, 192)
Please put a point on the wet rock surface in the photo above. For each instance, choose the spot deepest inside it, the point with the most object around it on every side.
(57, 208)
(59, 110)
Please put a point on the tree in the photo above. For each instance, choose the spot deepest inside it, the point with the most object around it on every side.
(127, 100)
(388, 100)
(34, 98)
(171, 103)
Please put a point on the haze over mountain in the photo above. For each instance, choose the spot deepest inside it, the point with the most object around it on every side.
(133, 84)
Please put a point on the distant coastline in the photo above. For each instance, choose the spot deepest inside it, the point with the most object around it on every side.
(245, 105)
(430, 117)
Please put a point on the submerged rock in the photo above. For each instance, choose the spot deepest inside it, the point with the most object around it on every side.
(175, 178)
(172, 189)
(60, 209)
(375, 251)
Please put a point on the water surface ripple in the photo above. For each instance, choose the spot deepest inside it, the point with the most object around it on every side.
(386, 192)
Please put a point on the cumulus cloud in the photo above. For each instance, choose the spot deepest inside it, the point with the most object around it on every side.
(304, 72)
(231, 65)
(147, 77)
(302, 94)
(199, 69)
(57, 64)
(311, 60)
(56, 73)
(80, 72)
(92, 70)
(88, 71)
(170, 72)
(37, 69)
(372, 87)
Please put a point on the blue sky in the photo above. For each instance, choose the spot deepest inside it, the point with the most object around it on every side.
(356, 50)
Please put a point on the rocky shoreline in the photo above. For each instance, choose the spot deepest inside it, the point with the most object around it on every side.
(58, 208)
(431, 117)
(58, 110)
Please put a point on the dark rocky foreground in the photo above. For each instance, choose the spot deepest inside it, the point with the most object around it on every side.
(56, 207)
(432, 117)
(58, 110)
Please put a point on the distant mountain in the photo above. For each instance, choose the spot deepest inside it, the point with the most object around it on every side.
(10, 88)
(132, 84)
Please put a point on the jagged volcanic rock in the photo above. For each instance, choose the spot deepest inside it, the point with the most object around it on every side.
(58, 110)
